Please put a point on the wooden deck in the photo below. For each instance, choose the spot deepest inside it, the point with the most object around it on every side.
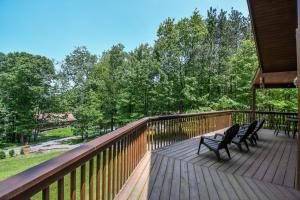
(268, 171)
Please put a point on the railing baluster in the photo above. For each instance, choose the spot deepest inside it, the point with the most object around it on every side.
(60, 189)
(126, 157)
(118, 166)
(82, 182)
(129, 161)
(109, 173)
(133, 150)
(91, 180)
(98, 176)
(122, 161)
(46, 193)
(114, 167)
(73, 185)
(104, 174)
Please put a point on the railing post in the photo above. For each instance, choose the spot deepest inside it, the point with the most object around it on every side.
(230, 119)
(253, 104)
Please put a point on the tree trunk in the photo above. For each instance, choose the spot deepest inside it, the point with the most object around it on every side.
(22, 139)
(112, 122)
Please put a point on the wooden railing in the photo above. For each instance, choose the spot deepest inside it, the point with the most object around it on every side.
(166, 130)
(272, 118)
(99, 169)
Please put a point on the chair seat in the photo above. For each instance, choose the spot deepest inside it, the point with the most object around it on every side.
(212, 144)
(236, 139)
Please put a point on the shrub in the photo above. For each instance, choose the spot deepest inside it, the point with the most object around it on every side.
(2, 155)
(11, 153)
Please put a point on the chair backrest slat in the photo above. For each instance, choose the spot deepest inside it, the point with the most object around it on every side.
(259, 125)
(230, 134)
(249, 130)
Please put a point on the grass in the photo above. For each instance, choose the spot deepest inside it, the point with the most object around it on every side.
(12, 166)
(56, 134)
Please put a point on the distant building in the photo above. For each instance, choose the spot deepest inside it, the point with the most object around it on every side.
(56, 117)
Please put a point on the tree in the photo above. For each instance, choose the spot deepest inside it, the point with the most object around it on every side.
(25, 83)
(143, 71)
(77, 67)
(109, 80)
(177, 48)
(75, 93)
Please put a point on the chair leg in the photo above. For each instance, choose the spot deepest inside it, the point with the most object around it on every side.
(218, 155)
(256, 136)
(201, 141)
(247, 145)
(240, 147)
(227, 150)
(251, 141)
(254, 140)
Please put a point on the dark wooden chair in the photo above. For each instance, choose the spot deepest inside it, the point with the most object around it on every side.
(219, 141)
(254, 136)
(243, 134)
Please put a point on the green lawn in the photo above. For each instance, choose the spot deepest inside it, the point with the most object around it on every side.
(12, 166)
(56, 134)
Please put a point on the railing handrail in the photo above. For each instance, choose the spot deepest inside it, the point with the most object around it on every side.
(55, 168)
(267, 112)
(175, 116)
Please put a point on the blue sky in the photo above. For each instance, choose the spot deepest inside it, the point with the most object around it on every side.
(54, 27)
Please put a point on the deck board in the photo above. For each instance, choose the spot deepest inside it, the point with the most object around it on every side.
(177, 172)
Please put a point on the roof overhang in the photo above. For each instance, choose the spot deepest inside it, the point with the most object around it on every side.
(274, 25)
(274, 79)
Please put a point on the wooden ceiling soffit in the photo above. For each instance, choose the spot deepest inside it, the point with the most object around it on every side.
(274, 23)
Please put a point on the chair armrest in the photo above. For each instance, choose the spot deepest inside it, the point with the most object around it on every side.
(241, 133)
(244, 126)
(219, 134)
(212, 139)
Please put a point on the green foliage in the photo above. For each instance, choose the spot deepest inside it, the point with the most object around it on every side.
(2, 155)
(11, 153)
(195, 64)
(24, 90)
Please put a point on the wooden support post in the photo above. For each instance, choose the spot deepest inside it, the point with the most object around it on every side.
(253, 104)
(298, 74)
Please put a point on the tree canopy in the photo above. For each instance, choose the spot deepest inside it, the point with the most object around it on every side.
(195, 64)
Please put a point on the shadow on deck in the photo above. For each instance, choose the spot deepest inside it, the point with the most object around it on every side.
(268, 171)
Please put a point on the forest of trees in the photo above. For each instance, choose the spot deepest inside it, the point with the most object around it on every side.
(195, 64)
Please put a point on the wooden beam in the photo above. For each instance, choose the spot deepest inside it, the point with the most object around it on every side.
(274, 79)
